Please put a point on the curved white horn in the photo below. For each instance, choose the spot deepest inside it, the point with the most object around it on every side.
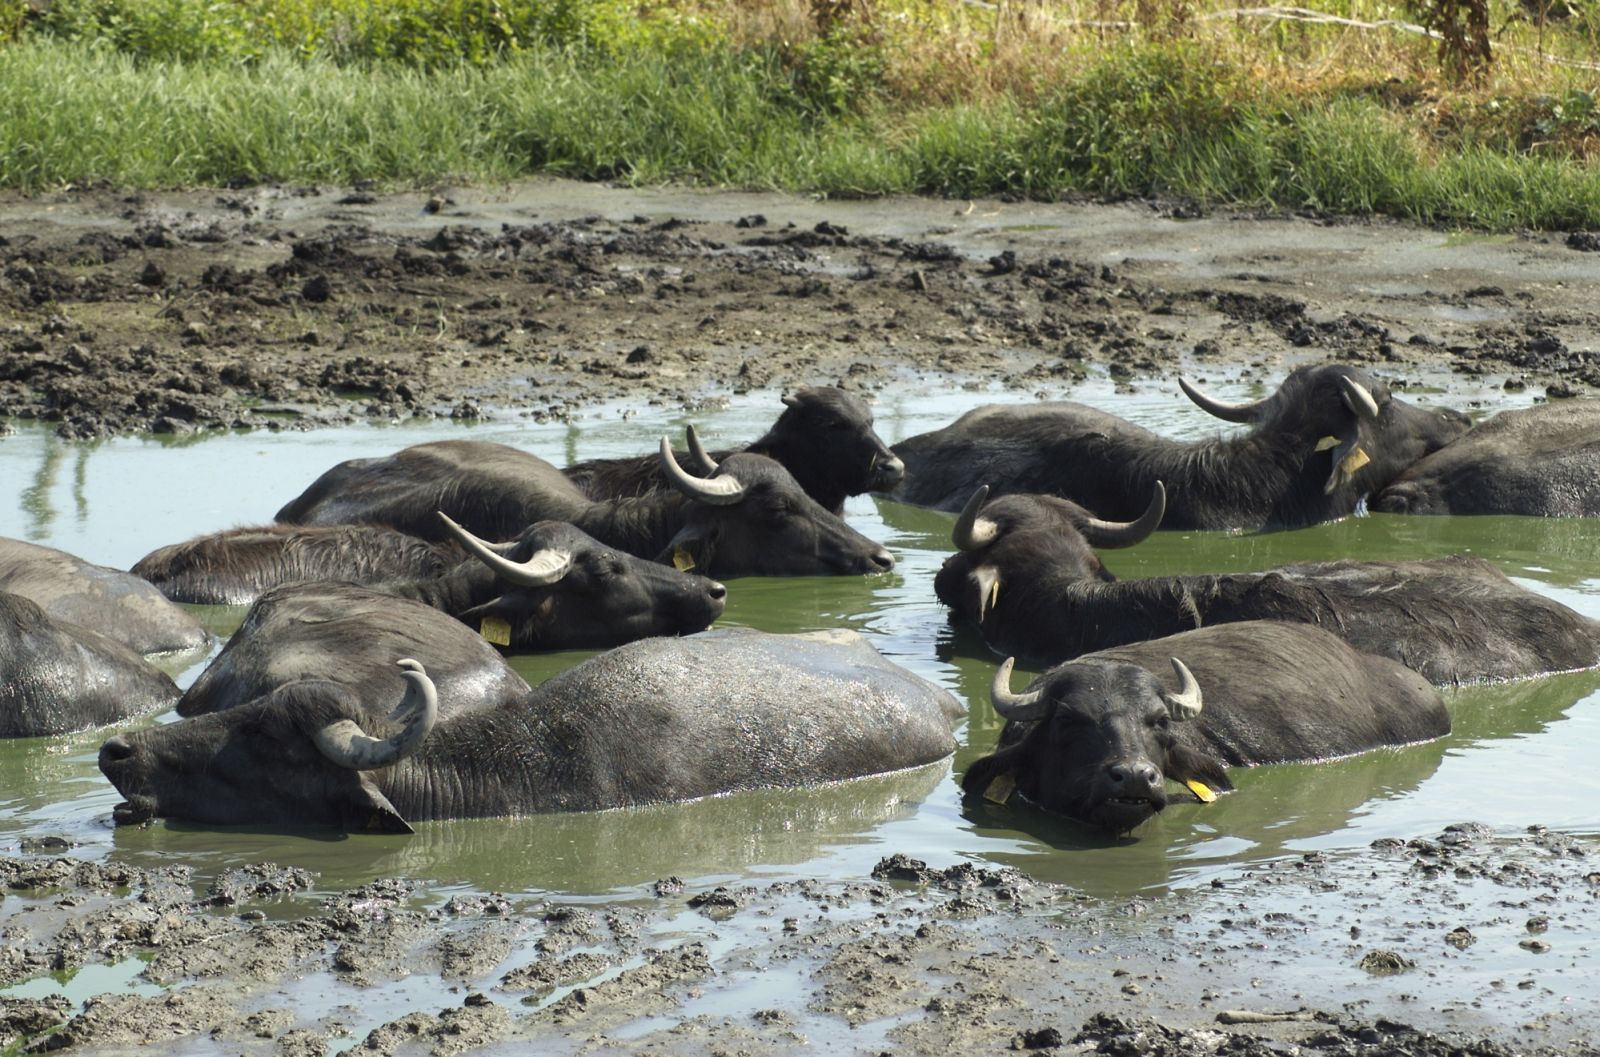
(344, 743)
(1358, 399)
(1185, 704)
(1014, 706)
(1218, 409)
(718, 491)
(972, 532)
(545, 567)
(1113, 534)
(698, 454)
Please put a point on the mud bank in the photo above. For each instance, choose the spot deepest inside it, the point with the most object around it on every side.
(289, 307)
(1378, 958)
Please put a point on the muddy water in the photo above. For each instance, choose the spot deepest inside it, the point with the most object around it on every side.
(1520, 753)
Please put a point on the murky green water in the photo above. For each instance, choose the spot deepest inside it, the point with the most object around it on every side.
(114, 501)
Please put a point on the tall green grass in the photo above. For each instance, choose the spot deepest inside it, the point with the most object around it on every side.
(1141, 121)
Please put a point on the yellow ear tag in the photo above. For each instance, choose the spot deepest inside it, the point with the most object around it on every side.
(1201, 790)
(1001, 788)
(496, 630)
(1353, 462)
(1327, 442)
(682, 560)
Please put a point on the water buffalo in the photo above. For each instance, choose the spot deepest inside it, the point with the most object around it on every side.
(1025, 575)
(1329, 436)
(657, 720)
(233, 567)
(551, 588)
(1542, 461)
(1097, 738)
(750, 518)
(350, 635)
(106, 600)
(824, 438)
(57, 677)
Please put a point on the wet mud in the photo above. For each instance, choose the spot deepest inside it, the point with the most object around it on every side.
(284, 307)
(910, 960)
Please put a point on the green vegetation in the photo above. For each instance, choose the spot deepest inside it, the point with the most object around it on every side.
(1136, 98)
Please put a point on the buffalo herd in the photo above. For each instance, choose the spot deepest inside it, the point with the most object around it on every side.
(366, 687)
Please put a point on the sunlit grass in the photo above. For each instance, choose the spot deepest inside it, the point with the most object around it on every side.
(1084, 97)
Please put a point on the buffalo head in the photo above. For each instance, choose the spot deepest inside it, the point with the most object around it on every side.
(1370, 435)
(751, 517)
(1095, 740)
(556, 587)
(298, 756)
(1024, 540)
(826, 440)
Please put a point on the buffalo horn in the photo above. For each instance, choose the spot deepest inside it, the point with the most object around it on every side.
(718, 491)
(1216, 408)
(545, 567)
(344, 743)
(1126, 533)
(1014, 706)
(972, 532)
(1358, 399)
(1185, 704)
(697, 453)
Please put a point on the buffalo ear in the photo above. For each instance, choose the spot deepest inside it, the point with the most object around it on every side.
(366, 810)
(692, 550)
(983, 772)
(1184, 764)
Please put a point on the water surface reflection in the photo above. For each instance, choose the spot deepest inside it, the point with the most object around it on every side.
(129, 495)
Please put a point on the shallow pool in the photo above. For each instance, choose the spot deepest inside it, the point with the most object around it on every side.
(1521, 753)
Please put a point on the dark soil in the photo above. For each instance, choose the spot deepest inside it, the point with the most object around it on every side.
(290, 308)
(912, 960)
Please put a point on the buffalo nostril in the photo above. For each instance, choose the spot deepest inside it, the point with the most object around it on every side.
(1142, 773)
(115, 749)
(883, 560)
(716, 590)
(891, 471)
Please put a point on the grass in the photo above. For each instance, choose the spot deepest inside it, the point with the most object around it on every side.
(835, 98)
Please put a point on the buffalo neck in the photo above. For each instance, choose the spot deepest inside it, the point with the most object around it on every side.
(1230, 482)
(1054, 615)
(466, 585)
(473, 766)
(642, 525)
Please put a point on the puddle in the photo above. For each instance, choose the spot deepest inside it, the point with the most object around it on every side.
(86, 982)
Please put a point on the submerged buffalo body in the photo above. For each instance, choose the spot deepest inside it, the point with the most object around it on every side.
(824, 438)
(234, 567)
(1098, 738)
(114, 603)
(1326, 438)
(658, 720)
(57, 677)
(1541, 461)
(749, 518)
(1031, 583)
(552, 587)
(350, 635)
